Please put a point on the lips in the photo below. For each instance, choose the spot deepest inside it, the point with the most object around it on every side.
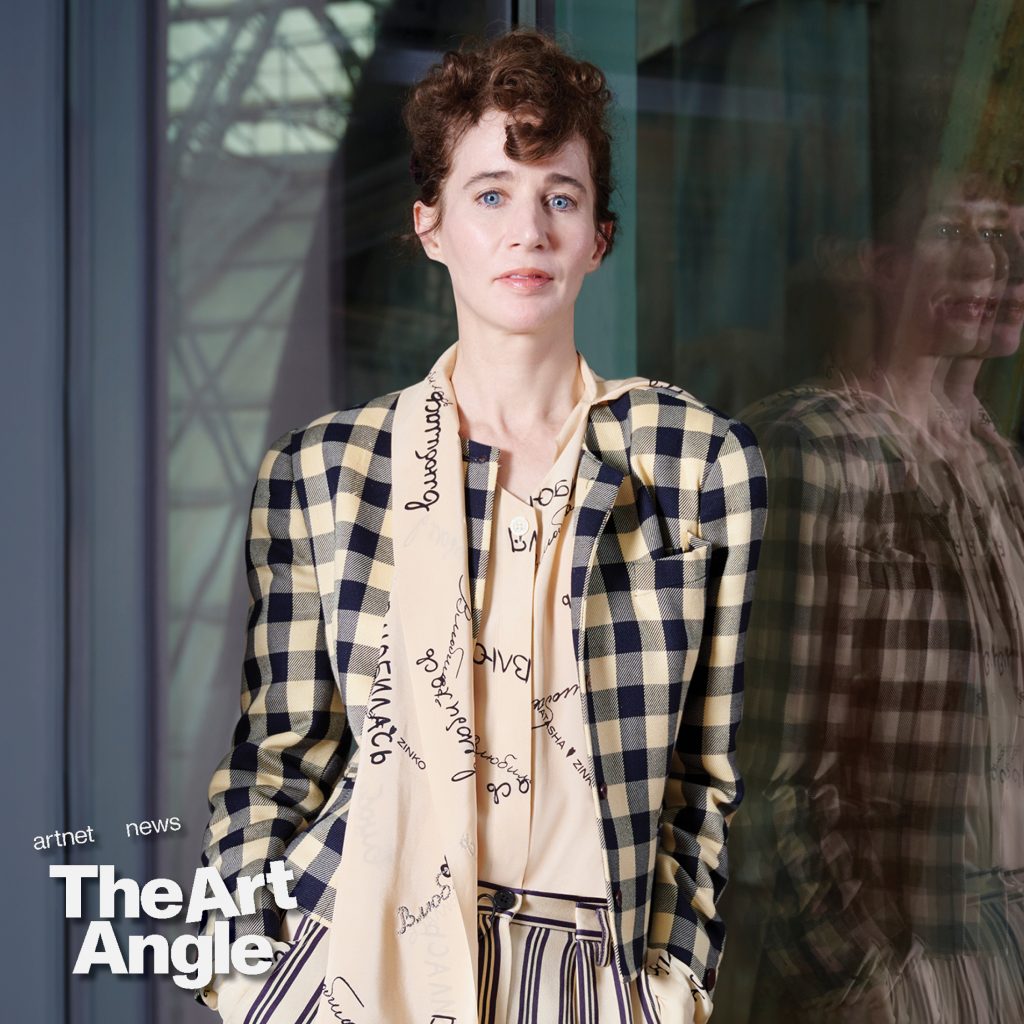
(1011, 311)
(525, 279)
(967, 308)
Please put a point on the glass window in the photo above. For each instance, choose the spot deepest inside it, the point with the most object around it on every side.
(822, 234)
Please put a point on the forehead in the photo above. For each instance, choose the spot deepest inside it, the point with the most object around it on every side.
(964, 197)
(482, 148)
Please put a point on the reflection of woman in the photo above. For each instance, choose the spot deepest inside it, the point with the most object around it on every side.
(496, 639)
(884, 603)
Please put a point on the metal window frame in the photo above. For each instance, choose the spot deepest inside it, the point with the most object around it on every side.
(112, 578)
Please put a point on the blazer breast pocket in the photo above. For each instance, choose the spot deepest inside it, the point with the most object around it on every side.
(670, 603)
(685, 568)
(673, 584)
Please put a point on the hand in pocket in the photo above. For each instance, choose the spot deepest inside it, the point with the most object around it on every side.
(673, 999)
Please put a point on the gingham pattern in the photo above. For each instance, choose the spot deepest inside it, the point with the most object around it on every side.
(859, 734)
(670, 498)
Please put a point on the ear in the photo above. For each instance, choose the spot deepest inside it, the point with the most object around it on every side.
(884, 264)
(865, 255)
(600, 244)
(424, 218)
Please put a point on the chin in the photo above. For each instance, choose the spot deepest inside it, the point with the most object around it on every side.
(953, 339)
(1005, 340)
(529, 324)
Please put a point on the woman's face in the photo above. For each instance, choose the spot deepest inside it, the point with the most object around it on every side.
(947, 286)
(1006, 335)
(517, 238)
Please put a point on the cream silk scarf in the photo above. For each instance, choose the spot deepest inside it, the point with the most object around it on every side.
(403, 940)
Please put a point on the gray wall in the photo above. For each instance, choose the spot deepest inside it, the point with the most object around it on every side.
(78, 665)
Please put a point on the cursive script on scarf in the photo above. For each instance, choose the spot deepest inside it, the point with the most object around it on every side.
(540, 703)
(432, 429)
(443, 696)
(504, 763)
(338, 1010)
(407, 918)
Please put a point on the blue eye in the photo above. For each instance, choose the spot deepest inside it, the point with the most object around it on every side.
(486, 196)
(566, 202)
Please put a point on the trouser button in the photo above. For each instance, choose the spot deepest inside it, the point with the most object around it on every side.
(504, 898)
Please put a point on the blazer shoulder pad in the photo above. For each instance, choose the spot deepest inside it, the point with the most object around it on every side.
(360, 423)
(680, 409)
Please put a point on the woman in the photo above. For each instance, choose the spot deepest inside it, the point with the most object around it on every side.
(887, 638)
(496, 639)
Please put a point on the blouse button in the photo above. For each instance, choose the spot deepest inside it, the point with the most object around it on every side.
(602, 791)
(617, 896)
(519, 526)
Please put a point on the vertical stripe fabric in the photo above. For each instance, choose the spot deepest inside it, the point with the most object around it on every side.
(544, 959)
(292, 991)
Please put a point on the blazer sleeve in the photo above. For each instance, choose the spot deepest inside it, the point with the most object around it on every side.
(704, 786)
(824, 931)
(286, 753)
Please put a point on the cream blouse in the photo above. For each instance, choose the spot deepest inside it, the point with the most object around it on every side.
(536, 800)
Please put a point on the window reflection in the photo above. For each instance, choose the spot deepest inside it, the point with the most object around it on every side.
(258, 100)
(880, 859)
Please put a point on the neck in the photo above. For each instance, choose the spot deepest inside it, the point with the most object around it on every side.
(958, 385)
(911, 386)
(514, 386)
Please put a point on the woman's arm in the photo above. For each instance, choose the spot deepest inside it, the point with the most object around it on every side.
(824, 932)
(286, 754)
(704, 786)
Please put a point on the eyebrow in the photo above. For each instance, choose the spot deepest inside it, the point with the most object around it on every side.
(554, 178)
(985, 207)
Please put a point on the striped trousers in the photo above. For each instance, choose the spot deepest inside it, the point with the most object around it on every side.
(544, 958)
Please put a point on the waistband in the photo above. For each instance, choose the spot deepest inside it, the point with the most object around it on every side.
(998, 884)
(587, 916)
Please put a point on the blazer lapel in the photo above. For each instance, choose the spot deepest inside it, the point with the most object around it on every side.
(481, 480)
(319, 509)
(604, 462)
(599, 484)
(597, 487)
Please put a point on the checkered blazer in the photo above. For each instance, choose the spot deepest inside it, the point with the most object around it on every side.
(670, 499)
(858, 746)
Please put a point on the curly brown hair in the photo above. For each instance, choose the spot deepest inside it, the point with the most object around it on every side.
(526, 74)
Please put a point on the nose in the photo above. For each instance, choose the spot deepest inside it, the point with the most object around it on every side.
(1002, 259)
(527, 226)
(975, 258)
(1013, 243)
